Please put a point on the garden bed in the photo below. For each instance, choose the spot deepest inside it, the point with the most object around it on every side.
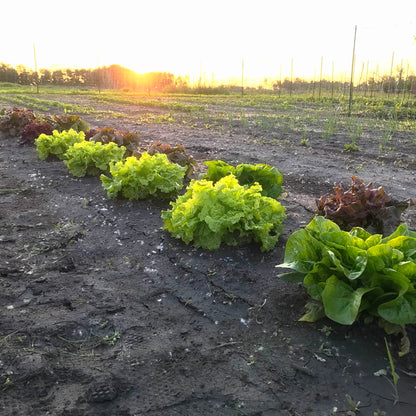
(104, 313)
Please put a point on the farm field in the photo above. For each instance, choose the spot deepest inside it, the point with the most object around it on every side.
(105, 313)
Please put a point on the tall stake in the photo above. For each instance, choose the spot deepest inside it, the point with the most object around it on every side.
(36, 70)
(407, 81)
(320, 77)
(391, 75)
(352, 73)
(291, 76)
(242, 77)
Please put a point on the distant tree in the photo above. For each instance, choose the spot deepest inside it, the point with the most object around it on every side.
(8, 74)
(79, 76)
(24, 78)
(45, 76)
(388, 83)
(180, 82)
(58, 77)
(34, 78)
(277, 85)
(69, 77)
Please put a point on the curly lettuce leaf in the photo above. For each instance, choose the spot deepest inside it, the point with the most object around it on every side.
(91, 158)
(210, 214)
(57, 144)
(268, 177)
(141, 178)
(217, 169)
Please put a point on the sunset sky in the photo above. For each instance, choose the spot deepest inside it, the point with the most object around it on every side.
(190, 37)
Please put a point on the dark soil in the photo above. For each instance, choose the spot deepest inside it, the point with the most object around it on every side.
(104, 313)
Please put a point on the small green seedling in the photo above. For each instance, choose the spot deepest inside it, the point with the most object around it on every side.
(351, 147)
(353, 404)
(395, 377)
(112, 339)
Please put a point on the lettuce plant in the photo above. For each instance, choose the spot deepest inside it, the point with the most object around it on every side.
(57, 144)
(33, 130)
(13, 121)
(130, 141)
(361, 206)
(68, 122)
(92, 158)
(175, 154)
(140, 178)
(354, 273)
(209, 214)
(268, 177)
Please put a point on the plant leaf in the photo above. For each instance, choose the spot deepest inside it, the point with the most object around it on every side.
(341, 302)
(314, 312)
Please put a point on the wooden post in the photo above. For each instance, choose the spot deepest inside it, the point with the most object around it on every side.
(242, 77)
(291, 76)
(361, 76)
(391, 75)
(313, 83)
(352, 72)
(406, 83)
(320, 77)
(366, 80)
(400, 80)
(200, 75)
(36, 69)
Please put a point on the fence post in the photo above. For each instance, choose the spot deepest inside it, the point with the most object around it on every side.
(242, 77)
(36, 70)
(352, 73)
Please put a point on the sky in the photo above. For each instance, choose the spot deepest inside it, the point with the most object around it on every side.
(211, 39)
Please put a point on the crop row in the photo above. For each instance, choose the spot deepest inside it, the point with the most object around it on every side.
(348, 272)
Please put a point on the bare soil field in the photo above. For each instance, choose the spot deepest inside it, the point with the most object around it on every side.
(102, 312)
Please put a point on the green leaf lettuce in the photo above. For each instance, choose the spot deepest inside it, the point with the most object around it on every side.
(209, 214)
(355, 272)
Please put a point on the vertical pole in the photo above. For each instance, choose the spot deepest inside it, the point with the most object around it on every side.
(291, 76)
(242, 77)
(313, 83)
(352, 72)
(320, 77)
(361, 77)
(280, 79)
(405, 86)
(401, 78)
(344, 83)
(36, 69)
(98, 75)
(410, 85)
(391, 75)
(332, 82)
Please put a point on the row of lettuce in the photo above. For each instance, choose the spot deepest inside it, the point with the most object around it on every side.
(348, 272)
(227, 205)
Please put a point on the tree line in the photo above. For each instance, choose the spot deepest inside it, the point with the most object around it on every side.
(118, 77)
(386, 84)
(112, 77)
